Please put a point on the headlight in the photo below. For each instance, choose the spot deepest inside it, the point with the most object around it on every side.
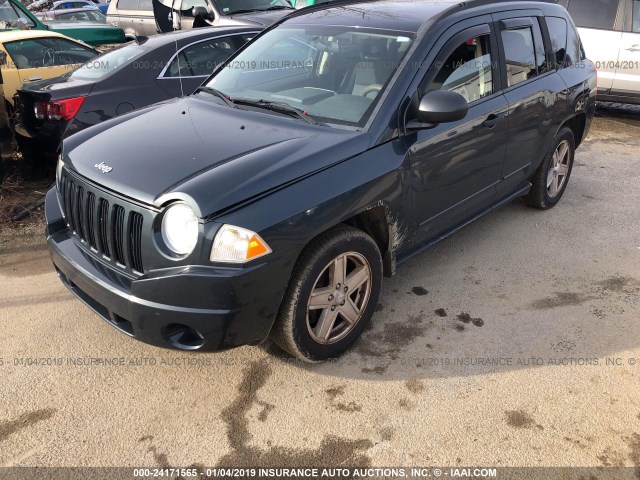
(237, 245)
(180, 229)
(59, 171)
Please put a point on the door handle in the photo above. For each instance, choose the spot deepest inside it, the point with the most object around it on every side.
(634, 48)
(492, 120)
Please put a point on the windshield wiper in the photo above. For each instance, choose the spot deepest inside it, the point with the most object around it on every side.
(277, 7)
(244, 10)
(217, 93)
(279, 107)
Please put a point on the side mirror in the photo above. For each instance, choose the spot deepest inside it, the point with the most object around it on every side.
(439, 106)
(201, 12)
(3, 58)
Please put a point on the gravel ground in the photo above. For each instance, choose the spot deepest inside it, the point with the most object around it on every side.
(553, 298)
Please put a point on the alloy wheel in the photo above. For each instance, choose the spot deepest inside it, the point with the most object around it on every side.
(559, 169)
(339, 297)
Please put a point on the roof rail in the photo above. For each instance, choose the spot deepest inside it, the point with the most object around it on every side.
(346, 3)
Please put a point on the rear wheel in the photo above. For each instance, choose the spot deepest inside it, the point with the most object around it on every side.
(331, 296)
(552, 177)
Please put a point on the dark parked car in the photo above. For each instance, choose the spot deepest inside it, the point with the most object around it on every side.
(122, 80)
(333, 147)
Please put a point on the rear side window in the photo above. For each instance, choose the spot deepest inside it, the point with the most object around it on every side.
(519, 51)
(558, 33)
(541, 53)
(636, 16)
(600, 14)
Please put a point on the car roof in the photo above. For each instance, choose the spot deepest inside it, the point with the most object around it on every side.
(159, 40)
(400, 15)
(13, 35)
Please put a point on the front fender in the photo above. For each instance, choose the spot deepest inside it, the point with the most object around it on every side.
(290, 218)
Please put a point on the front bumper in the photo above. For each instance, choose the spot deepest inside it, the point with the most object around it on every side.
(234, 306)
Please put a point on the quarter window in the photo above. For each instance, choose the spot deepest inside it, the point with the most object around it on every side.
(519, 52)
(600, 14)
(575, 52)
(558, 33)
(202, 58)
(467, 71)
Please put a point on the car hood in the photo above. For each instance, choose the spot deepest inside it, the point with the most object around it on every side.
(261, 18)
(209, 155)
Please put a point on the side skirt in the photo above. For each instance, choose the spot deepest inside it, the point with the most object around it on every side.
(518, 193)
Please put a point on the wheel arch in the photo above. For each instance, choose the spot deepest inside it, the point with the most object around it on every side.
(577, 124)
(376, 222)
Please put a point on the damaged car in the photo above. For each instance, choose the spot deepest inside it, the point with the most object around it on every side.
(333, 147)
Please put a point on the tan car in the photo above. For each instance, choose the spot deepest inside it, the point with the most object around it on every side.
(30, 55)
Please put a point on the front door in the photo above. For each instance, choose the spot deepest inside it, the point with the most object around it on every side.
(455, 166)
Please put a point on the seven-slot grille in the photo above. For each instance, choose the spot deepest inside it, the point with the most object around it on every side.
(107, 228)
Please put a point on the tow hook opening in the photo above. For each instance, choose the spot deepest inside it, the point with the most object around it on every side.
(183, 337)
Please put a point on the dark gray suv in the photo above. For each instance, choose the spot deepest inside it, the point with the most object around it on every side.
(337, 144)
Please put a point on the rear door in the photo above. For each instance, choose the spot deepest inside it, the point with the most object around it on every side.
(531, 88)
(627, 77)
(600, 24)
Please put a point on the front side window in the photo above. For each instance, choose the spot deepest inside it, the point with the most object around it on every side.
(600, 14)
(636, 16)
(520, 55)
(47, 52)
(202, 58)
(334, 73)
(467, 70)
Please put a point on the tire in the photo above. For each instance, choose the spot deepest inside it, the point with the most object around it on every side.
(300, 331)
(544, 195)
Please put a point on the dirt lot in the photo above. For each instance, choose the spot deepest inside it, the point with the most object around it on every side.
(551, 299)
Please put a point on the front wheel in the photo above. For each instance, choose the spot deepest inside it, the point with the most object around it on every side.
(552, 177)
(331, 297)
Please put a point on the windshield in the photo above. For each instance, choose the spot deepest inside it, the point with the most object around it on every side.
(107, 63)
(229, 7)
(10, 17)
(84, 15)
(334, 74)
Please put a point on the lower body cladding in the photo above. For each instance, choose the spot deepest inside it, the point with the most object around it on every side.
(236, 306)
